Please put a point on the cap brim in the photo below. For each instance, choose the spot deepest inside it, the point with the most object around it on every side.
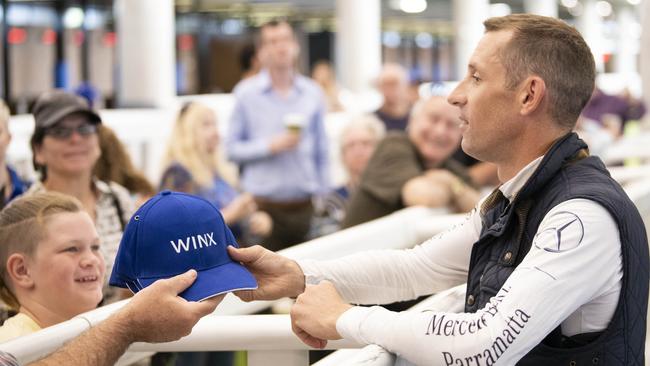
(56, 117)
(214, 281)
(117, 281)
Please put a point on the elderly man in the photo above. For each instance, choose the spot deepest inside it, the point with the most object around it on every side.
(394, 87)
(413, 168)
(276, 136)
(555, 259)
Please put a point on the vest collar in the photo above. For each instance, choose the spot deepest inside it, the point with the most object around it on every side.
(561, 152)
(502, 211)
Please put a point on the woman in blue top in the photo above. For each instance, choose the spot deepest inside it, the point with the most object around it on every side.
(11, 185)
(192, 166)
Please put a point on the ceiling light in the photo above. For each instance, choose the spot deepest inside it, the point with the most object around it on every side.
(576, 11)
(500, 10)
(413, 6)
(424, 40)
(73, 18)
(391, 39)
(603, 8)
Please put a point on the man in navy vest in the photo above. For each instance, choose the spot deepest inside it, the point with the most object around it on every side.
(555, 259)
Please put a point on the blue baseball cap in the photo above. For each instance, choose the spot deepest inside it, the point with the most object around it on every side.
(172, 233)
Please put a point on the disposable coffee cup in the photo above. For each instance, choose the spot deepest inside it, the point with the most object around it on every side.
(294, 122)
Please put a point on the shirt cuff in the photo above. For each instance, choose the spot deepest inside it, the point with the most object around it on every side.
(349, 325)
(309, 269)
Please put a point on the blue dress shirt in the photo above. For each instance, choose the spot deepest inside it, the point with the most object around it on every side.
(259, 115)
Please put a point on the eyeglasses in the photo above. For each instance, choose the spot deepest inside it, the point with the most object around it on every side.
(62, 133)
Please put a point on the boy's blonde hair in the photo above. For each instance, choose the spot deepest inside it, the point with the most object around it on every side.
(22, 227)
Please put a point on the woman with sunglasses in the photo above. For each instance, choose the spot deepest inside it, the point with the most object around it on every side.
(65, 149)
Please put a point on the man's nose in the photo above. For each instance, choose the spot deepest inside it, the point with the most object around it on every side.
(457, 96)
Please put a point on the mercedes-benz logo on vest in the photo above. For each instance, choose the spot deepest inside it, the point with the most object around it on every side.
(556, 239)
(172, 233)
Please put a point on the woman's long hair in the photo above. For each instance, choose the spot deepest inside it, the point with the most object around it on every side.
(185, 148)
(115, 165)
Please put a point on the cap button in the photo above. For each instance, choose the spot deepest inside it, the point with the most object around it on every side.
(166, 192)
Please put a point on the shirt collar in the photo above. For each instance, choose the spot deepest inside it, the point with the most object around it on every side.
(266, 86)
(264, 80)
(102, 187)
(516, 183)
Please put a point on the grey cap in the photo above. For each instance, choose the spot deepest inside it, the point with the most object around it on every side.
(52, 106)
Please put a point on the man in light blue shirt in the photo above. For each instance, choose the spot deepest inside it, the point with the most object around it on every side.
(276, 136)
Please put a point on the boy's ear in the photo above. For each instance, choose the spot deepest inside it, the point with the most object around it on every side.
(18, 271)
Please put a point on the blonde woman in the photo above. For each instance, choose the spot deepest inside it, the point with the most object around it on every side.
(192, 166)
(11, 185)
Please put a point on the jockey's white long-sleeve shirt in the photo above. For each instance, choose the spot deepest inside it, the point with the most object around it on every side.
(571, 276)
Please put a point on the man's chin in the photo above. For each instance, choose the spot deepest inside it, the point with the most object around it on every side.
(469, 150)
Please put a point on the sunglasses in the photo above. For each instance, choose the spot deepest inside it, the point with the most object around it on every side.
(62, 133)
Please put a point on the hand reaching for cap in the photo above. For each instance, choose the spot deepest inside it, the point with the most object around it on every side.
(276, 276)
(158, 314)
(314, 315)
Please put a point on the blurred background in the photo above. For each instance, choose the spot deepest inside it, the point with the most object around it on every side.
(93, 43)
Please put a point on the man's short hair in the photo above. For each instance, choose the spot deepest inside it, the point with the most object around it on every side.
(273, 23)
(367, 122)
(246, 56)
(420, 103)
(554, 51)
(395, 71)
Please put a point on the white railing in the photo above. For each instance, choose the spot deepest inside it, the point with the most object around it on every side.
(145, 133)
(451, 301)
(626, 175)
(629, 147)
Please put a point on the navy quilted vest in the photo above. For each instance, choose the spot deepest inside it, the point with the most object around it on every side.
(566, 172)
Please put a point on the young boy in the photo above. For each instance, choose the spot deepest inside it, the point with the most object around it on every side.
(51, 265)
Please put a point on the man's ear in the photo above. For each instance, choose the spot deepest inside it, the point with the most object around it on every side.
(532, 95)
(18, 271)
